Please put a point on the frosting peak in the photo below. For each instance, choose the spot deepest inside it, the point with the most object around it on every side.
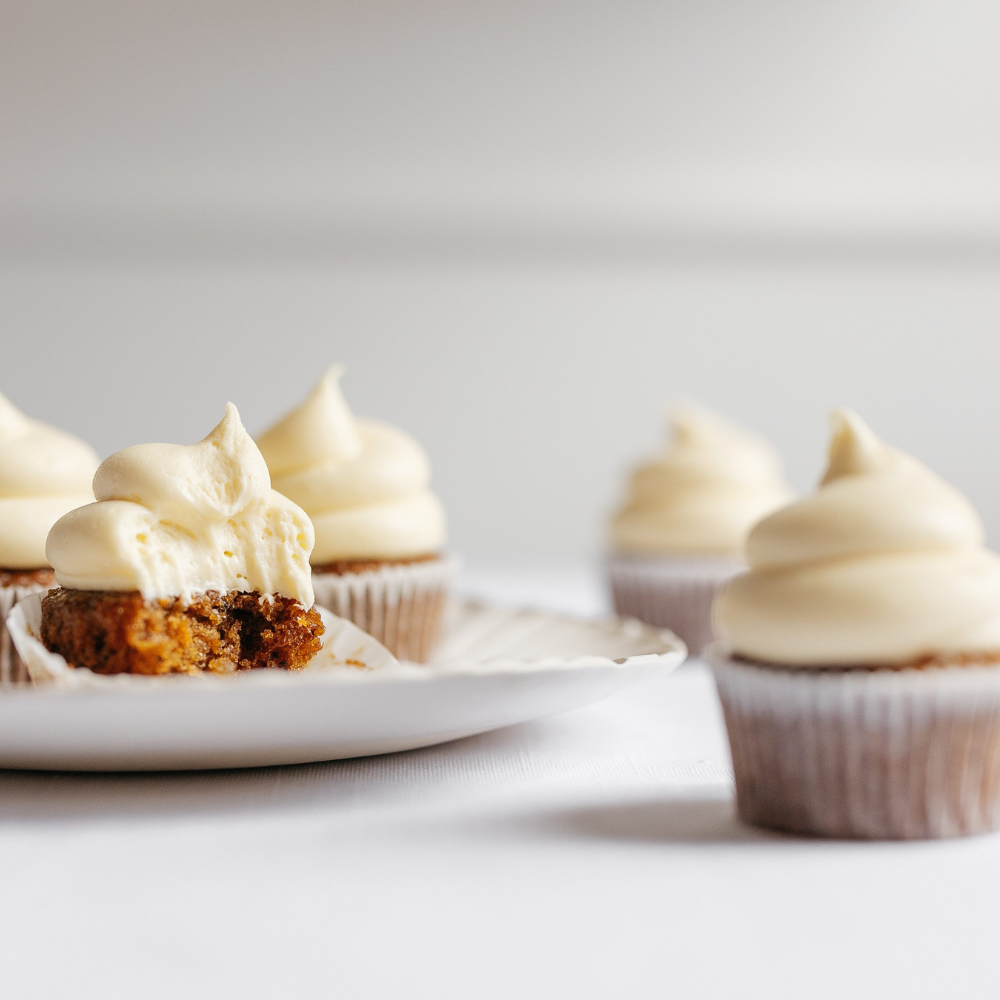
(854, 449)
(322, 429)
(703, 493)
(884, 563)
(44, 472)
(364, 484)
(174, 520)
(213, 479)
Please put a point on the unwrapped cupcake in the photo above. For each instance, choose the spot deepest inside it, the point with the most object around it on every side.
(859, 659)
(680, 534)
(380, 531)
(44, 472)
(187, 563)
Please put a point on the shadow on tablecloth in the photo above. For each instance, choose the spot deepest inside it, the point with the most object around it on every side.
(668, 820)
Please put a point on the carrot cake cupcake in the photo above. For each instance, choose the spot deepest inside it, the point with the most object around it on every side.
(187, 563)
(380, 531)
(44, 472)
(679, 535)
(859, 659)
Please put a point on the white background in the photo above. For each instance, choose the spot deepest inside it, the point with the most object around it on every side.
(526, 227)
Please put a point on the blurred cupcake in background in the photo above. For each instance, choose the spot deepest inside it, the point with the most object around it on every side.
(680, 533)
(44, 473)
(380, 531)
(859, 658)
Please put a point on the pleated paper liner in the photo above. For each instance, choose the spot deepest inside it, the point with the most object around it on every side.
(401, 605)
(884, 754)
(674, 593)
(12, 668)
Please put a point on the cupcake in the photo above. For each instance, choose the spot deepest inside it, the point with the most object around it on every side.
(44, 472)
(188, 563)
(380, 531)
(859, 658)
(679, 536)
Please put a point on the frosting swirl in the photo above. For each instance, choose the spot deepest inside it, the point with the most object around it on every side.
(174, 521)
(44, 472)
(884, 564)
(364, 484)
(704, 492)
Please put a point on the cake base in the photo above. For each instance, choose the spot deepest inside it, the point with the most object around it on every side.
(116, 632)
(341, 567)
(44, 576)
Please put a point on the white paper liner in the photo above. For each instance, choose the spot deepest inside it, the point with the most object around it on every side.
(882, 754)
(401, 605)
(12, 669)
(345, 647)
(671, 592)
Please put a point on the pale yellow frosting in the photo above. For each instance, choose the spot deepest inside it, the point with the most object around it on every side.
(175, 521)
(884, 564)
(704, 492)
(364, 484)
(44, 472)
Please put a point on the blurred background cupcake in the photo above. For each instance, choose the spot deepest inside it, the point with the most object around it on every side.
(860, 671)
(44, 473)
(380, 531)
(680, 533)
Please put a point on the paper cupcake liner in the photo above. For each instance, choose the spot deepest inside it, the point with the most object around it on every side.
(400, 605)
(12, 669)
(671, 593)
(880, 754)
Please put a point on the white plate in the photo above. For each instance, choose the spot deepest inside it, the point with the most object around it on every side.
(494, 668)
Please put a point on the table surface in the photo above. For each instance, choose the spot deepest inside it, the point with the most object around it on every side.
(594, 854)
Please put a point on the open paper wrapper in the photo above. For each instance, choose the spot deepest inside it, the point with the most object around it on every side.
(345, 647)
(885, 754)
(401, 605)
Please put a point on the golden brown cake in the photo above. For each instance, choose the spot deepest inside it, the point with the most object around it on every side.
(342, 567)
(42, 577)
(114, 633)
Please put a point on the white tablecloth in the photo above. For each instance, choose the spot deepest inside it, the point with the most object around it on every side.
(594, 854)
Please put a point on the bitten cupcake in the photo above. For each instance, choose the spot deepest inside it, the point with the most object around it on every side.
(187, 563)
(679, 536)
(380, 531)
(859, 660)
(44, 472)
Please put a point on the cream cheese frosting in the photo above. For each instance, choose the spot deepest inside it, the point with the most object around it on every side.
(364, 484)
(704, 492)
(176, 521)
(44, 472)
(883, 564)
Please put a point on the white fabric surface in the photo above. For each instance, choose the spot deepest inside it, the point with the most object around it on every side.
(590, 855)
